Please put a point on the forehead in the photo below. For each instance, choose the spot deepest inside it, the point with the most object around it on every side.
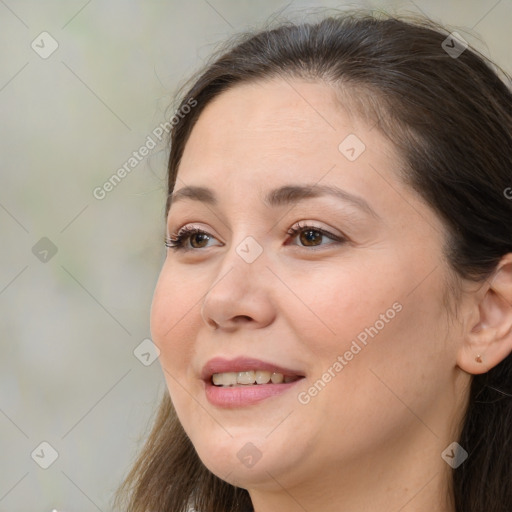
(277, 127)
(268, 103)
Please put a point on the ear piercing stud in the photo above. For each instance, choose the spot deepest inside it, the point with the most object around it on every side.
(478, 358)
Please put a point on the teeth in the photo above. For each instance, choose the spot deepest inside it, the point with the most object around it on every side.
(249, 378)
(277, 378)
(224, 379)
(262, 377)
(245, 378)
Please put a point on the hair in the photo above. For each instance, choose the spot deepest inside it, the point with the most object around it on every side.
(450, 120)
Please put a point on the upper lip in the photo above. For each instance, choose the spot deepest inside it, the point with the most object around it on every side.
(240, 364)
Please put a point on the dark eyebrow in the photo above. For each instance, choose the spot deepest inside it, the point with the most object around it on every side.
(295, 193)
(281, 196)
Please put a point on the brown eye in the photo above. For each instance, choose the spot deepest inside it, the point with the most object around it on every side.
(188, 239)
(200, 238)
(310, 237)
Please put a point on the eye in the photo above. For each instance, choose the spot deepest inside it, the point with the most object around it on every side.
(190, 238)
(311, 236)
(197, 237)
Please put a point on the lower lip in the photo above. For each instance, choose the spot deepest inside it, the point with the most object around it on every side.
(240, 396)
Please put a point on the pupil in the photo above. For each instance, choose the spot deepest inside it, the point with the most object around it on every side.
(310, 236)
(198, 235)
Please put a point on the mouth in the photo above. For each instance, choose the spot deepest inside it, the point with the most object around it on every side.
(244, 381)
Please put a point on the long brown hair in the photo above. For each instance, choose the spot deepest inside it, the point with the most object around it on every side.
(450, 117)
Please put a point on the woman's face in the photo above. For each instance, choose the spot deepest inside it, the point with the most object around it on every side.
(350, 309)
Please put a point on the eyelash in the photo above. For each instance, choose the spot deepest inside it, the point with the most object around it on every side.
(177, 240)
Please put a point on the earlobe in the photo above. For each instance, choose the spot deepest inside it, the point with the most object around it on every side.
(488, 340)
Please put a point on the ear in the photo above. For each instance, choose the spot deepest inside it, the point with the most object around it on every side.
(488, 339)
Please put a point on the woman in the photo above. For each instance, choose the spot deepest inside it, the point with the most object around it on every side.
(334, 314)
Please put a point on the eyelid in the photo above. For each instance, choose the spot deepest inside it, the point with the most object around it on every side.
(311, 224)
(189, 226)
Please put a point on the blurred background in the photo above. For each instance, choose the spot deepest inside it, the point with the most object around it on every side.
(84, 85)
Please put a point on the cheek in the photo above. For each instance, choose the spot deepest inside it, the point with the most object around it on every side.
(400, 366)
(404, 362)
(347, 305)
(381, 326)
(175, 314)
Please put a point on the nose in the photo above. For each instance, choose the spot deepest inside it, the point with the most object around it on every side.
(240, 294)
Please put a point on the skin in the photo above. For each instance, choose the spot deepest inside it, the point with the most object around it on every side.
(372, 438)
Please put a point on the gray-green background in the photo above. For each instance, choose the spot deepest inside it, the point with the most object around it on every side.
(69, 324)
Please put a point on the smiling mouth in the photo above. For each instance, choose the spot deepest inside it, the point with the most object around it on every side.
(251, 378)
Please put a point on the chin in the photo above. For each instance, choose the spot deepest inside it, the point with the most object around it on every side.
(257, 475)
(247, 461)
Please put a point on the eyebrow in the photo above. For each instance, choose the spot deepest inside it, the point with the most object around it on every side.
(285, 195)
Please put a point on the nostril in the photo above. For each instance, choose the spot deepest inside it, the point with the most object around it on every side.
(242, 319)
